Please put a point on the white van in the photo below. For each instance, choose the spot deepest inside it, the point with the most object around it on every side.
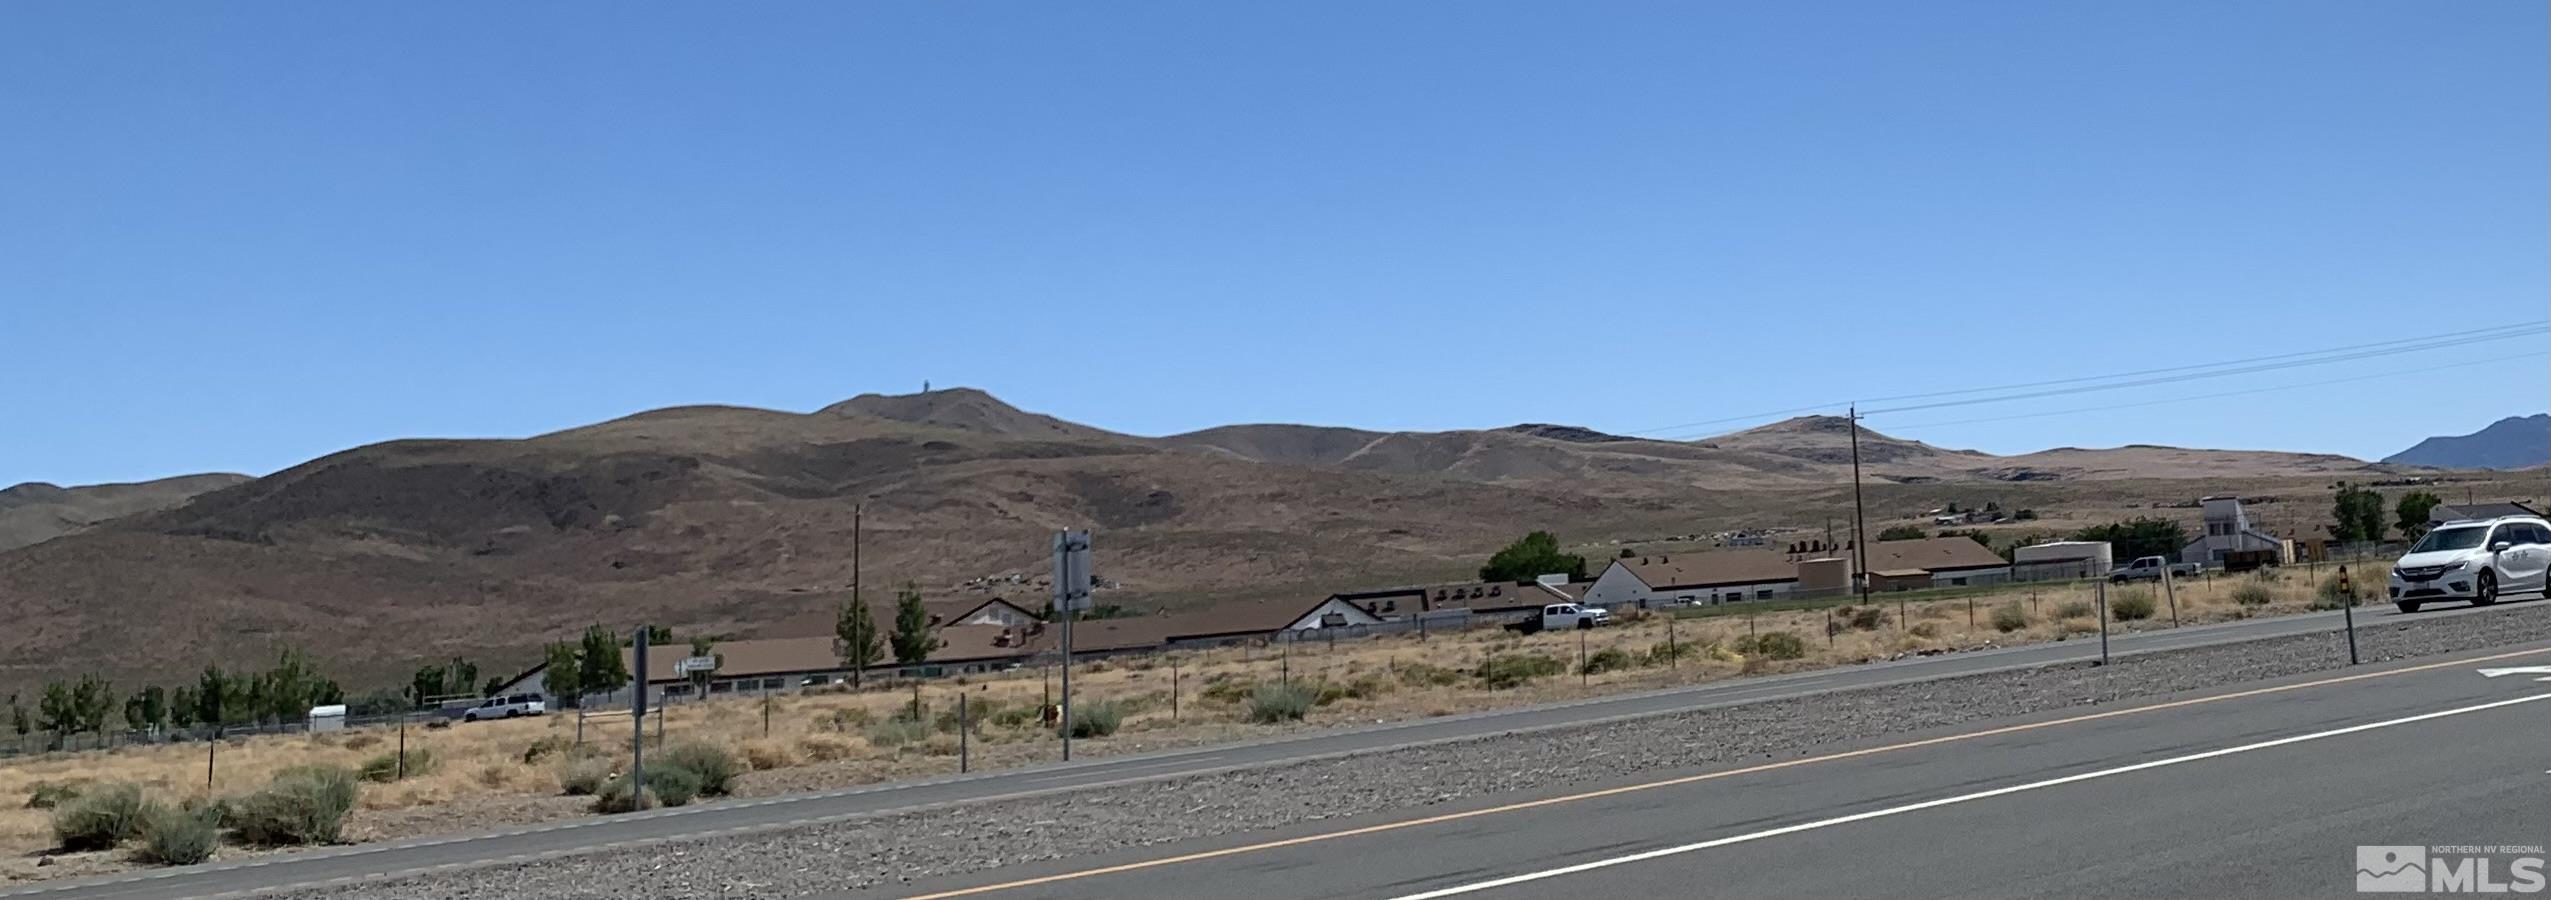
(506, 708)
(2475, 560)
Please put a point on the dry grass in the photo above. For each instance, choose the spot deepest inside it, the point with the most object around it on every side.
(822, 739)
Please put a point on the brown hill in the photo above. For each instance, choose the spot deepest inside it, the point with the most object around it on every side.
(727, 519)
(35, 512)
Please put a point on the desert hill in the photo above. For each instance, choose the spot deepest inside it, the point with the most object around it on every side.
(35, 512)
(735, 520)
(2510, 443)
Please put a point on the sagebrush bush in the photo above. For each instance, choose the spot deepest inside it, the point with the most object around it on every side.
(1014, 716)
(714, 766)
(363, 741)
(1607, 660)
(1666, 652)
(896, 733)
(1096, 718)
(98, 818)
(2130, 606)
(385, 767)
(620, 795)
(2252, 595)
(1507, 670)
(1868, 618)
(1276, 701)
(2010, 617)
(1925, 629)
(2076, 609)
(766, 755)
(1773, 645)
(1428, 675)
(303, 805)
(818, 748)
(171, 836)
(545, 748)
(583, 776)
(51, 794)
(2334, 595)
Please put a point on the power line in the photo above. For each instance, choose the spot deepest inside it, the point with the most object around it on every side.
(2218, 373)
(2494, 333)
(2265, 390)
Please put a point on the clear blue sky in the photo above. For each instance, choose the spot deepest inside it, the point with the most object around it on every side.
(237, 236)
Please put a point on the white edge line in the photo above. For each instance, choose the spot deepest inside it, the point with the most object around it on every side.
(1643, 856)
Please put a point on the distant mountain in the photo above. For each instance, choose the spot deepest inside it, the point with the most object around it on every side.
(2509, 443)
(36, 512)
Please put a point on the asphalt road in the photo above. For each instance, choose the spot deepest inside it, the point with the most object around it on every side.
(2225, 794)
(338, 865)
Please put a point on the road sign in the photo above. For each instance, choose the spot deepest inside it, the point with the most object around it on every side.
(1071, 571)
(2544, 671)
(690, 664)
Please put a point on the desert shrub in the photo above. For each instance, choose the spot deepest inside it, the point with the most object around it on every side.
(621, 794)
(2076, 609)
(385, 767)
(545, 748)
(1013, 716)
(2334, 595)
(1096, 718)
(1722, 653)
(1275, 701)
(177, 837)
(1773, 645)
(216, 809)
(1428, 675)
(1327, 693)
(2010, 617)
(364, 741)
(1222, 688)
(303, 805)
(896, 733)
(1607, 660)
(2082, 625)
(1507, 670)
(842, 720)
(1925, 629)
(2252, 595)
(763, 756)
(580, 777)
(823, 749)
(673, 785)
(715, 767)
(2129, 606)
(51, 794)
(1666, 652)
(1367, 687)
(1868, 618)
(977, 709)
(98, 818)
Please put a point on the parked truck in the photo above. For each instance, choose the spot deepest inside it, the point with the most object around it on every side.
(2150, 568)
(1558, 616)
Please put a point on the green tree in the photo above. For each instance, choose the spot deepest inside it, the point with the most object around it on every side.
(18, 721)
(857, 629)
(2137, 538)
(701, 646)
(286, 692)
(460, 675)
(426, 686)
(2358, 512)
(58, 712)
(598, 664)
(1903, 533)
(1533, 556)
(212, 694)
(154, 707)
(134, 720)
(912, 640)
(181, 706)
(562, 672)
(2412, 512)
(95, 698)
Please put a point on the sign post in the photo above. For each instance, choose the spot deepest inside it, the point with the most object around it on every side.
(638, 719)
(1071, 596)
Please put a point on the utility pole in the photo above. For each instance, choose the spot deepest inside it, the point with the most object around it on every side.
(1860, 520)
(856, 509)
(638, 717)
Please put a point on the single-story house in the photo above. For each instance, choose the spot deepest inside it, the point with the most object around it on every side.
(1934, 562)
(2228, 531)
(1719, 576)
(2443, 513)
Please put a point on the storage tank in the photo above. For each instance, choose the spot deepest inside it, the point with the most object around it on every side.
(2090, 559)
(1824, 576)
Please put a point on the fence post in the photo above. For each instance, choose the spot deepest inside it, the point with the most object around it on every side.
(1970, 612)
(1285, 670)
(1582, 677)
(2103, 623)
(964, 750)
(403, 743)
(211, 747)
(2172, 593)
(1173, 690)
(1673, 651)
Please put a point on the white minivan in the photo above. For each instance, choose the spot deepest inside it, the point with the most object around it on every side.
(2476, 560)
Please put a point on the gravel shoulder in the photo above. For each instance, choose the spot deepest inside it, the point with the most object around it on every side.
(886, 850)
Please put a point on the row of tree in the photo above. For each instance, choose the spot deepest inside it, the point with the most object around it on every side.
(284, 692)
(2357, 513)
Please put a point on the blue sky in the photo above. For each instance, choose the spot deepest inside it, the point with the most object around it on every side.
(243, 235)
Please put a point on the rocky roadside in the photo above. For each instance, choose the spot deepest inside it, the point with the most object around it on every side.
(883, 851)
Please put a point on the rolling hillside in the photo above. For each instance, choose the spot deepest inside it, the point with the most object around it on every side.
(730, 519)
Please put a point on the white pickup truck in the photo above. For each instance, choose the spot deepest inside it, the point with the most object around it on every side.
(1558, 616)
(2150, 568)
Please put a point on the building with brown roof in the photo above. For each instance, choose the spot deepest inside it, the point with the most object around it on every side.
(1717, 576)
(1934, 562)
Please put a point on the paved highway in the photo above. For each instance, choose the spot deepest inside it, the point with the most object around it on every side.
(337, 865)
(2225, 794)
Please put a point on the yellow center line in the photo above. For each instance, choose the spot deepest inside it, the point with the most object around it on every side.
(1694, 779)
